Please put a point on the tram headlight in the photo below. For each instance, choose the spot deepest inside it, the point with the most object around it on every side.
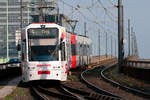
(31, 68)
(56, 67)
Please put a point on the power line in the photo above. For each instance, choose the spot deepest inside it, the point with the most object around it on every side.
(92, 12)
(95, 17)
(85, 17)
(107, 11)
(112, 2)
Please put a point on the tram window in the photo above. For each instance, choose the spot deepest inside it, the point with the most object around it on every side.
(24, 40)
(80, 45)
(63, 53)
(23, 50)
(73, 49)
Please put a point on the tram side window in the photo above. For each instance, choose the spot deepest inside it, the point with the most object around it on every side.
(88, 49)
(23, 50)
(63, 53)
(22, 55)
(73, 49)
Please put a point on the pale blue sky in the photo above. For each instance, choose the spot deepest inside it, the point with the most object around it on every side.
(136, 10)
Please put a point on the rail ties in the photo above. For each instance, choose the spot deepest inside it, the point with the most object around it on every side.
(101, 97)
(71, 93)
(45, 93)
(89, 95)
(129, 89)
(103, 94)
(40, 95)
(68, 93)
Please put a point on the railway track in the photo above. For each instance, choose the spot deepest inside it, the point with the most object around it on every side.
(91, 95)
(107, 95)
(47, 93)
(103, 87)
(38, 94)
(63, 92)
(138, 92)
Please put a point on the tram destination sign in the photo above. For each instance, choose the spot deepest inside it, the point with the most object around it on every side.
(43, 33)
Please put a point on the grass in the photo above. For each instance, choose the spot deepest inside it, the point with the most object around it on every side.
(72, 78)
(122, 81)
(17, 92)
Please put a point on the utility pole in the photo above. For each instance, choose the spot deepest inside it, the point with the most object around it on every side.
(72, 26)
(21, 15)
(106, 44)
(58, 15)
(120, 36)
(115, 48)
(40, 11)
(28, 13)
(21, 20)
(128, 37)
(132, 39)
(44, 9)
(99, 44)
(134, 44)
(136, 47)
(7, 32)
(85, 28)
(111, 47)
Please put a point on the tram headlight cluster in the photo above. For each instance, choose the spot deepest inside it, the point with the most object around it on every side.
(56, 67)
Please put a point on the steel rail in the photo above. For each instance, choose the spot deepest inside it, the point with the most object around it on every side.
(71, 93)
(58, 95)
(130, 89)
(41, 96)
(76, 90)
(89, 95)
(108, 95)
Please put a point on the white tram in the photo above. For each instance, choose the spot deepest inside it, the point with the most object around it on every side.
(48, 52)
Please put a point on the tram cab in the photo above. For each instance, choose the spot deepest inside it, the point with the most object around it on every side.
(43, 52)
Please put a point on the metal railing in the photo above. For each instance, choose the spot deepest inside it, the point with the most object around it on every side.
(137, 63)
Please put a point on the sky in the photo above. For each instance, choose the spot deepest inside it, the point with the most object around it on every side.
(138, 12)
(106, 21)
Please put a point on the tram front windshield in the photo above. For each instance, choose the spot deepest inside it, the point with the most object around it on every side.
(43, 44)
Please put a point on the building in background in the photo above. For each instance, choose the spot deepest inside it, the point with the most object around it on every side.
(10, 22)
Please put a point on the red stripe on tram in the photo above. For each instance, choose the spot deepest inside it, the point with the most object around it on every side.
(43, 72)
(73, 64)
(43, 65)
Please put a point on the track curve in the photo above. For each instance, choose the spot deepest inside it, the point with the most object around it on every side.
(106, 94)
(130, 89)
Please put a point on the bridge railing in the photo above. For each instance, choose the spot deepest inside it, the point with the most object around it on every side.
(139, 69)
(137, 63)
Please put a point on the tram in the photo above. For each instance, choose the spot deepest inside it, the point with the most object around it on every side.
(48, 51)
